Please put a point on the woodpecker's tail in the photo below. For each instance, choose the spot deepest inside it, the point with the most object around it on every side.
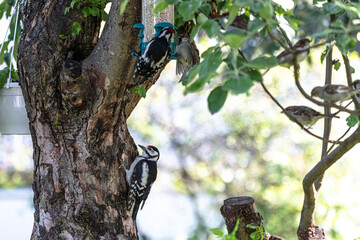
(133, 207)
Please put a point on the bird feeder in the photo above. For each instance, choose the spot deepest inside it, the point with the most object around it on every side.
(13, 117)
(150, 23)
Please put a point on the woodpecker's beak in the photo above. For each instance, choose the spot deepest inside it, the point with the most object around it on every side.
(142, 147)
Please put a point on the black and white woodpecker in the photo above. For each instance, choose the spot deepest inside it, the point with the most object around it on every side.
(155, 55)
(188, 56)
(140, 177)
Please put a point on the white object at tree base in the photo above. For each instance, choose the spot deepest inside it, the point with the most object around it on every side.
(13, 117)
(149, 20)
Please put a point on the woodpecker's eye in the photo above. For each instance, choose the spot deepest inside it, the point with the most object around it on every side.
(153, 151)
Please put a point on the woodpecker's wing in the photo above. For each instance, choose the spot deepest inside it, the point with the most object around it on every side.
(155, 55)
(157, 50)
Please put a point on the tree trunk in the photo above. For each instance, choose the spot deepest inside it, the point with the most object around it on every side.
(77, 102)
(243, 209)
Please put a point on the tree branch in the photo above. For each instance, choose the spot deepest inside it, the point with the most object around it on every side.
(115, 44)
(327, 111)
(342, 136)
(326, 162)
(288, 115)
(349, 79)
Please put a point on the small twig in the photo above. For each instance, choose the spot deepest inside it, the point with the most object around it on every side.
(349, 79)
(332, 146)
(288, 115)
(283, 33)
(243, 55)
(273, 37)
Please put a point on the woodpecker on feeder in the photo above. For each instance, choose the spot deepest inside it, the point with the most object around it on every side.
(155, 55)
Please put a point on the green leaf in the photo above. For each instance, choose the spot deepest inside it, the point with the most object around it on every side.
(238, 84)
(262, 62)
(76, 28)
(352, 69)
(123, 6)
(266, 10)
(67, 9)
(208, 51)
(210, 63)
(250, 226)
(338, 24)
(62, 36)
(331, 8)
(86, 11)
(255, 76)
(217, 232)
(95, 11)
(160, 6)
(337, 65)
(3, 51)
(104, 15)
(324, 54)
(201, 18)
(205, 8)
(244, 3)
(187, 9)
(233, 233)
(200, 82)
(233, 60)
(347, 7)
(211, 27)
(73, 2)
(140, 90)
(194, 31)
(253, 235)
(233, 12)
(217, 99)
(4, 74)
(352, 120)
(191, 74)
(255, 25)
(235, 38)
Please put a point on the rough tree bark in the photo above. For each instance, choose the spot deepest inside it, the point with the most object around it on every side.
(77, 99)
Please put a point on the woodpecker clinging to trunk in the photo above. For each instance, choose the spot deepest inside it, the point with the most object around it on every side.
(188, 56)
(140, 177)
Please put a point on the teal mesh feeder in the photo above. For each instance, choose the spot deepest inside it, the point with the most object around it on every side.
(158, 27)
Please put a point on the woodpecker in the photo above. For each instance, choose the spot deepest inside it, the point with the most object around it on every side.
(155, 55)
(301, 48)
(188, 56)
(140, 177)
